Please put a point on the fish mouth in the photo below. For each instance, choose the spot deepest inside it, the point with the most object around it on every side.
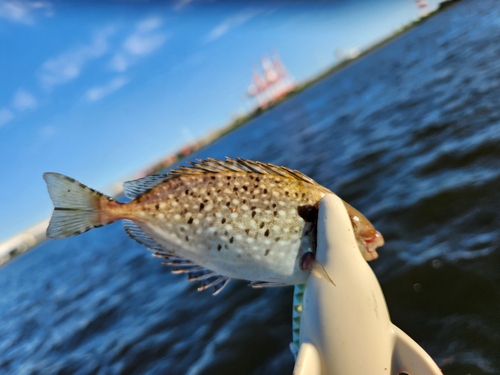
(371, 244)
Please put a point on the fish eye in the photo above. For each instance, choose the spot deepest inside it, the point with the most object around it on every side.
(355, 223)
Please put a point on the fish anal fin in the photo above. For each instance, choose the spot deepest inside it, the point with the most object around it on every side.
(206, 277)
(138, 235)
(220, 285)
(217, 281)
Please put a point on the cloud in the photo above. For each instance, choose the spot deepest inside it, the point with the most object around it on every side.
(143, 41)
(47, 131)
(119, 62)
(143, 45)
(99, 92)
(23, 100)
(6, 115)
(68, 65)
(148, 24)
(23, 11)
(179, 4)
(229, 23)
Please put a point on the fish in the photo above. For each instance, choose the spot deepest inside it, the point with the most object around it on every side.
(214, 220)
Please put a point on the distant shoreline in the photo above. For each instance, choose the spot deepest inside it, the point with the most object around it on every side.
(35, 235)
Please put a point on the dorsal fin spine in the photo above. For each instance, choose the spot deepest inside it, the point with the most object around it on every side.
(133, 189)
(238, 165)
(137, 187)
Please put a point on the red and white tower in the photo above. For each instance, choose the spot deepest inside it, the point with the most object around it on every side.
(271, 83)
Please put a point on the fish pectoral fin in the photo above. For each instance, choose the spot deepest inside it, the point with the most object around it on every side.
(266, 284)
(138, 235)
(309, 262)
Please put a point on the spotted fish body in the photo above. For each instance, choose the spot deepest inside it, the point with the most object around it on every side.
(214, 220)
(242, 225)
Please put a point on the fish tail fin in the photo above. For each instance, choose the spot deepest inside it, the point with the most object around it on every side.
(76, 206)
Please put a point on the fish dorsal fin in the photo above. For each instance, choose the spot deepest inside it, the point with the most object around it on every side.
(137, 187)
(206, 277)
(139, 236)
(238, 165)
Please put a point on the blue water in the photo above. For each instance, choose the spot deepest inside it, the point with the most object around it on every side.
(410, 135)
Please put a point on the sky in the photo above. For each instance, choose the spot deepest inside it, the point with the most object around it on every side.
(100, 90)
